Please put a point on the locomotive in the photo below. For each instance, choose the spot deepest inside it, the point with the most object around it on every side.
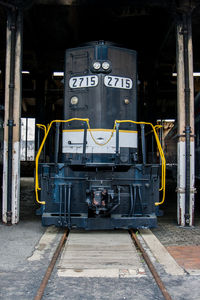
(99, 176)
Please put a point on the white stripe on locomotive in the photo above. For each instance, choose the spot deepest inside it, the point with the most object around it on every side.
(72, 141)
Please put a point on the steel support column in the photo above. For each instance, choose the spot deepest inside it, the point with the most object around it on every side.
(11, 161)
(185, 109)
(192, 123)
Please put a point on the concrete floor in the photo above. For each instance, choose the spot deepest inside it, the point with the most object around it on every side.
(25, 255)
(24, 261)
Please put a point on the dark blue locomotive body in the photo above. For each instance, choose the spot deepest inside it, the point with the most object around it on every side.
(96, 179)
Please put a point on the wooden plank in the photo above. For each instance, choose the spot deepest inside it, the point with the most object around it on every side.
(100, 254)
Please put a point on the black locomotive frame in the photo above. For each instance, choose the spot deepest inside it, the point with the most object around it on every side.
(99, 176)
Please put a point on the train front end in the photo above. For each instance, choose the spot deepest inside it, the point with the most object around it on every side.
(99, 176)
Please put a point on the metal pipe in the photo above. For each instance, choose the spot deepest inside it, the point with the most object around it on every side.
(140, 198)
(187, 118)
(131, 193)
(69, 206)
(143, 144)
(60, 198)
(10, 116)
(65, 204)
(152, 148)
(26, 141)
(118, 202)
(84, 142)
(117, 141)
(38, 138)
(161, 136)
(56, 143)
(135, 196)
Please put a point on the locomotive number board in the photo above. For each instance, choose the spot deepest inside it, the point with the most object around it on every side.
(83, 81)
(92, 81)
(118, 82)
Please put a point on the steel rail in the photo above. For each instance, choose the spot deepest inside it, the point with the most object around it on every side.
(49, 270)
(151, 267)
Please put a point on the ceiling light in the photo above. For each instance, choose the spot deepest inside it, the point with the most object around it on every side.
(195, 74)
(59, 74)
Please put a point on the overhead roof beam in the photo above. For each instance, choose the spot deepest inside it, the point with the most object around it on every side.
(55, 2)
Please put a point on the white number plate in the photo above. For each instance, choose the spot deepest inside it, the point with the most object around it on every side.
(83, 81)
(118, 82)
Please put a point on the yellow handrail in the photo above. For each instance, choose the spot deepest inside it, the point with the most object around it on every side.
(100, 144)
(43, 127)
(160, 151)
(37, 188)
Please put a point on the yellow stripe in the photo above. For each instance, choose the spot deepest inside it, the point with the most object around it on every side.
(73, 130)
(99, 129)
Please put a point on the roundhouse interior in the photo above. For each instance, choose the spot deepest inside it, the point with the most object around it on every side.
(50, 27)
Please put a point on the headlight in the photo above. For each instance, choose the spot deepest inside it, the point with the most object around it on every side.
(126, 101)
(74, 100)
(105, 65)
(96, 65)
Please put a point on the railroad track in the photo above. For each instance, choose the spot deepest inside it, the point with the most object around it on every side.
(50, 268)
(151, 267)
(58, 250)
